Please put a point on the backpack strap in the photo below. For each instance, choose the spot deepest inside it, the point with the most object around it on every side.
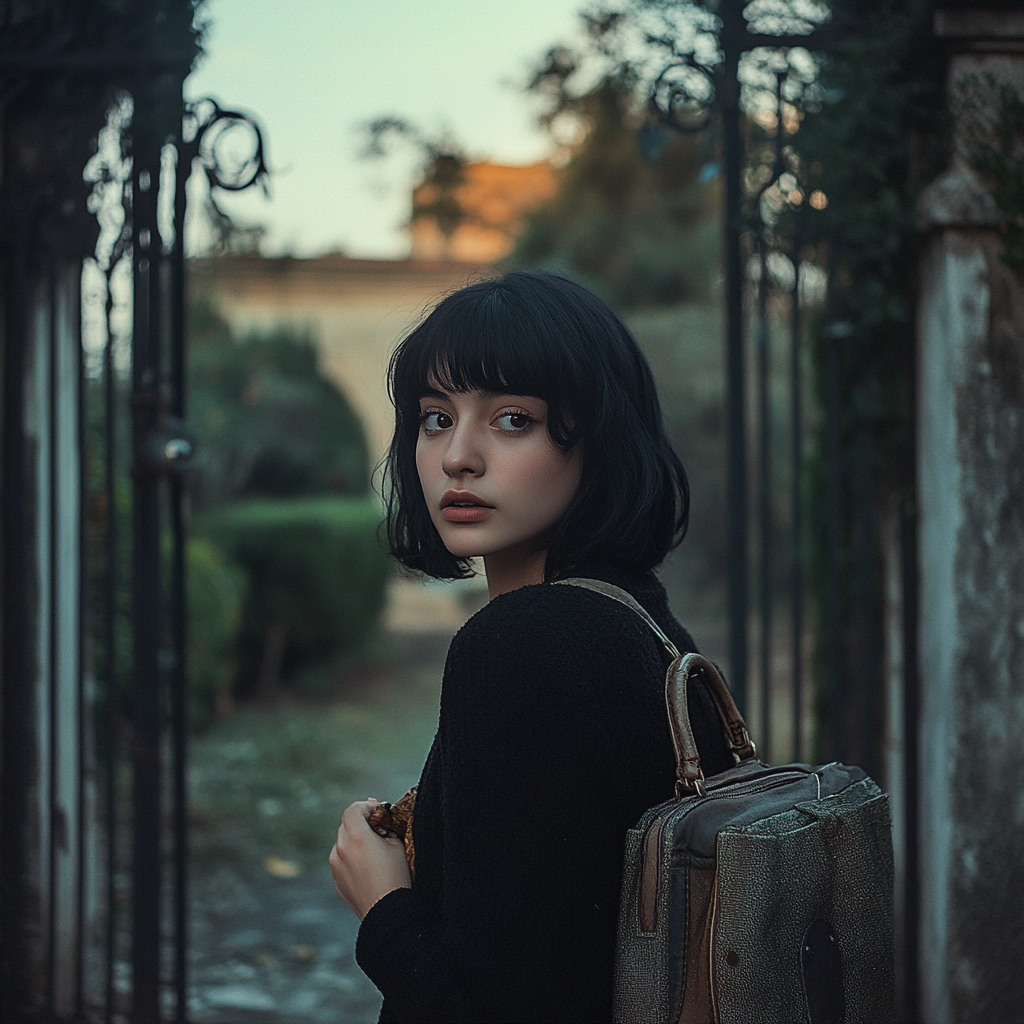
(689, 777)
(620, 595)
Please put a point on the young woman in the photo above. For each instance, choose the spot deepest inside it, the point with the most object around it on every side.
(527, 433)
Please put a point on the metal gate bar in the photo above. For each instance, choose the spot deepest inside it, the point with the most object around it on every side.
(64, 567)
(146, 689)
(53, 625)
(18, 707)
(831, 724)
(179, 621)
(763, 341)
(112, 689)
(796, 489)
(673, 104)
(734, 156)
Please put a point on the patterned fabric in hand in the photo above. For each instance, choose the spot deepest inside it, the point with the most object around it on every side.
(396, 820)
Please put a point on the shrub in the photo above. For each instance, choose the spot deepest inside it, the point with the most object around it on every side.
(216, 593)
(268, 420)
(317, 577)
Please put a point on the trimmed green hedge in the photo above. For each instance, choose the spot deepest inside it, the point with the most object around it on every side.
(317, 575)
(269, 423)
(216, 594)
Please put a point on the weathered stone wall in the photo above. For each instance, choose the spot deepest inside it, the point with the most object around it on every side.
(971, 486)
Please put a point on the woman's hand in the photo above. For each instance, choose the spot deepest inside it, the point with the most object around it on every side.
(364, 865)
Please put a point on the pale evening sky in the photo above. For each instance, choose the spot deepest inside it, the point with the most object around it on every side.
(312, 71)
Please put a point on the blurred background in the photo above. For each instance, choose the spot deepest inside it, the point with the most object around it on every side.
(218, 220)
(434, 145)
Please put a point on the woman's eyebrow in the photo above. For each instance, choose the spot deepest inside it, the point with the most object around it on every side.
(429, 392)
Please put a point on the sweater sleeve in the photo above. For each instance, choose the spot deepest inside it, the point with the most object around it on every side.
(532, 837)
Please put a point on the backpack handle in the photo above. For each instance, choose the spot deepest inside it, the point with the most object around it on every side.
(689, 777)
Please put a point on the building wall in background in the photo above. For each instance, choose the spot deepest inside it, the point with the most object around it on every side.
(356, 311)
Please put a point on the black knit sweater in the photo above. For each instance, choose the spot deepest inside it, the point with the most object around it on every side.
(552, 741)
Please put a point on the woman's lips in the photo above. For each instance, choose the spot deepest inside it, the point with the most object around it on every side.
(463, 507)
(465, 513)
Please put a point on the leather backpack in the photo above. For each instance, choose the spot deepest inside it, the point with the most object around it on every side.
(762, 894)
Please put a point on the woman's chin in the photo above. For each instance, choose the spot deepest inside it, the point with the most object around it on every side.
(464, 547)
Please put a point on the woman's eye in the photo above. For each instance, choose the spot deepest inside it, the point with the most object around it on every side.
(514, 422)
(434, 420)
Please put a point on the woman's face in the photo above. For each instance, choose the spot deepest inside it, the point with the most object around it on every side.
(494, 481)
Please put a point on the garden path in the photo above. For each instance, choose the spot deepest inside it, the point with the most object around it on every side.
(271, 941)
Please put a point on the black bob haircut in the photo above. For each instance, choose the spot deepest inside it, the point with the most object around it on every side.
(540, 334)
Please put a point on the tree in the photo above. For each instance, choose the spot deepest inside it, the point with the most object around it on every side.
(442, 170)
(639, 229)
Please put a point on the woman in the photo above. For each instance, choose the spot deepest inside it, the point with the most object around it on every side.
(527, 433)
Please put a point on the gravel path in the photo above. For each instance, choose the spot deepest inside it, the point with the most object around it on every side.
(275, 950)
(271, 942)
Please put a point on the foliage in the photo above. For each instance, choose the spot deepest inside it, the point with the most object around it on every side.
(317, 579)
(215, 590)
(215, 593)
(640, 232)
(992, 114)
(442, 170)
(67, 26)
(269, 423)
(282, 476)
(878, 135)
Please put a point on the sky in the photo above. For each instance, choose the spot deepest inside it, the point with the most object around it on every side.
(313, 71)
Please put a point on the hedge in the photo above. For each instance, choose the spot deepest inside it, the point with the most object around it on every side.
(317, 575)
(269, 423)
(216, 594)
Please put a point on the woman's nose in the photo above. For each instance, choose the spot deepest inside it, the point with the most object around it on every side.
(463, 455)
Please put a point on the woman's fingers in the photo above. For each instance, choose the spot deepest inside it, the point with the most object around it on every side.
(355, 821)
(364, 865)
(360, 809)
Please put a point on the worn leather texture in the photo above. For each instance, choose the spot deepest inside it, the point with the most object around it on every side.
(827, 859)
(700, 893)
(741, 874)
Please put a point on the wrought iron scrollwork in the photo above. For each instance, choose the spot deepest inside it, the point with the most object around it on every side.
(683, 95)
(228, 144)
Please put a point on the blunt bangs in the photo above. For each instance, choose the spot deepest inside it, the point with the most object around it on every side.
(487, 338)
(540, 334)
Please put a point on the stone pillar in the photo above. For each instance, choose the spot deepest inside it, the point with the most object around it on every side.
(971, 545)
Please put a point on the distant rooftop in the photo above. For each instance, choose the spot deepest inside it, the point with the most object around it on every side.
(493, 199)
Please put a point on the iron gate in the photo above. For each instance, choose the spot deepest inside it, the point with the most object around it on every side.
(94, 441)
(711, 85)
(761, 223)
(97, 148)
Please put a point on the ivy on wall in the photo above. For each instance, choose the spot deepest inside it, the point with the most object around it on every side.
(992, 113)
(878, 135)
